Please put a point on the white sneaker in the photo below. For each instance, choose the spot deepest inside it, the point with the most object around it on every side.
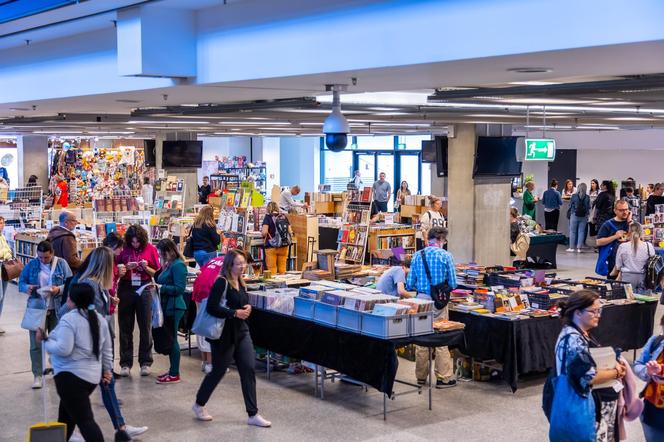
(145, 370)
(125, 371)
(569, 250)
(578, 250)
(258, 421)
(203, 364)
(38, 383)
(2, 331)
(135, 431)
(76, 436)
(208, 368)
(201, 413)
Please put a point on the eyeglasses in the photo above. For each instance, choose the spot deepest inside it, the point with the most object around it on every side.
(594, 311)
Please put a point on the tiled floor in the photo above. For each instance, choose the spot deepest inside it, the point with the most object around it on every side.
(473, 411)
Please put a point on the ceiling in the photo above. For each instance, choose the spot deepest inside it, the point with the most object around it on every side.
(392, 100)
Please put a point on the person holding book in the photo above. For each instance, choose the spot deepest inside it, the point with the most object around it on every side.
(277, 232)
(135, 291)
(286, 201)
(430, 267)
(393, 280)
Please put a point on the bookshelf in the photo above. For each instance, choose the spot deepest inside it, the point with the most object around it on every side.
(257, 174)
(386, 238)
(225, 182)
(353, 235)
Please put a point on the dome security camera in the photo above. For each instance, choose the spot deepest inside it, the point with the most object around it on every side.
(336, 126)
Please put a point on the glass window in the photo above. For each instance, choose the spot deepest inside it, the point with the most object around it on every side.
(386, 164)
(410, 172)
(375, 143)
(338, 169)
(412, 142)
(426, 178)
(367, 165)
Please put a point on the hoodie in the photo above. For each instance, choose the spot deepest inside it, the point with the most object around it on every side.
(64, 246)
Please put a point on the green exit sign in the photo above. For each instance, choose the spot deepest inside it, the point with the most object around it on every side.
(540, 149)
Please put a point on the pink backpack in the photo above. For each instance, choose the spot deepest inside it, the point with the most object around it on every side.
(206, 279)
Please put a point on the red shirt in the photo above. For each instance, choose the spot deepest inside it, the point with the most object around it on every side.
(208, 276)
(63, 200)
(129, 254)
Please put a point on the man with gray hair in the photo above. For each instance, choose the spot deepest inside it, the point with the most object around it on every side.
(64, 241)
(286, 201)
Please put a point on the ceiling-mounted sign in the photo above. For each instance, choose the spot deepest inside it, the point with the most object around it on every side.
(540, 150)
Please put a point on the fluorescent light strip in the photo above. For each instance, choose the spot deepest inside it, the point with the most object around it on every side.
(165, 122)
(255, 123)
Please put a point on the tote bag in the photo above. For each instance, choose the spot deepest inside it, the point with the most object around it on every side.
(206, 325)
(572, 415)
(35, 314)
(157, 311)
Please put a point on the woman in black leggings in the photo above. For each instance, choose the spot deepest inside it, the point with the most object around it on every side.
(235, 342)
(80, 348)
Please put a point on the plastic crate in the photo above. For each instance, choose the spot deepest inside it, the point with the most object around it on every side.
(349, 319)
(385, 327)
(421, 324)
(325, 314)
(304, 307)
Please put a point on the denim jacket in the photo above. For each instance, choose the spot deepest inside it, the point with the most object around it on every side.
(30, 276)
(647, 354)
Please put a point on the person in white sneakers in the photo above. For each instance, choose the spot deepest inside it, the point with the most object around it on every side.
(235, 341)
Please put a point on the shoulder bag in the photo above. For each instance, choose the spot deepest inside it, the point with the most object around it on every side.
(37, 308)
(188, 250)
(205, 324)
(605, 253)
(11, 269)
(572, 416)
(440, 293)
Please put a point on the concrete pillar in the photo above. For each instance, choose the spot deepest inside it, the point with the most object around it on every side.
(461, 197)
(32, 159)
(189, 175)
(478, 209)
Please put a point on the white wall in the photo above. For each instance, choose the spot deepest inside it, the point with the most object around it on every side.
(300, 162)
(645, 166)
(272, 158)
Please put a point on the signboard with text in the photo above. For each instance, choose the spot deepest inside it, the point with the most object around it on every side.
(540, 150)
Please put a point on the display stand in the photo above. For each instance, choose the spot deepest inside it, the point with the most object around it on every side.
(21, 208)
(256, 174)
(225, 182)
(353, 235)
(384, 239)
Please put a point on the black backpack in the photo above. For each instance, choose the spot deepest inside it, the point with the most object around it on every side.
(653, 270)
(580, 209)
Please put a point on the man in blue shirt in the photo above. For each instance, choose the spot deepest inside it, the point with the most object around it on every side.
(552, 202)
(441, 266)
(393, 281)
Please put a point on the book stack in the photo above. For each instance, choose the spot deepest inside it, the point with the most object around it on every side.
(344, 271)
(313, 292)
(444, 325)
(366, 303)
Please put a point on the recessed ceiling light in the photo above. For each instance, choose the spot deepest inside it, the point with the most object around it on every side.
(530, 70)
(166, 122)
(16, 109)
(533, 83)
(127, 100)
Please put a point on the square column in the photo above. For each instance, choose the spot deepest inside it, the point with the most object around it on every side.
(32, 160)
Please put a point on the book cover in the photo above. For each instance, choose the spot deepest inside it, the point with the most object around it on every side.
(230, 199)
(180, 186)
(344, 236)
(241, 223)
(352, 235)
(342, 252)
(246, 198)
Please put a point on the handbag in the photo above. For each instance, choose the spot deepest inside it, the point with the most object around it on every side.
(163, 336)
(188, 250)
(207, 325)
(11, 269)
(35, 314)
(440, 293)
(572, 416)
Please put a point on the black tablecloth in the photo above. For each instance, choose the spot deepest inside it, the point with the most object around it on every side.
(545, 247)
(369, 360)
(528, 345)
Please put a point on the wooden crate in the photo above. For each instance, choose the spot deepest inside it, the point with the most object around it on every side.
(304, 226)
(324, 208)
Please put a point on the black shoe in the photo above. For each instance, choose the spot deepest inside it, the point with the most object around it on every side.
(449, 384)
(421, 381)
(122, 436)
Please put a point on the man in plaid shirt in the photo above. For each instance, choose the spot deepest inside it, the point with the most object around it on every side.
(441, 266)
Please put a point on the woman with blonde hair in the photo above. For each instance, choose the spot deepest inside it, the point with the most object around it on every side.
(204, 236)
(277, 233)
(235, 340)
(631, 257)
(432, 217)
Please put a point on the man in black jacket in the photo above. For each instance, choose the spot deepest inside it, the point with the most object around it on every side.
(204, 191)
(655, 198)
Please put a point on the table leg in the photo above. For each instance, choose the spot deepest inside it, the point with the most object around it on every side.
(315, 380)
(267, 363)
(322, 382)
(384, 406)
(431, 376)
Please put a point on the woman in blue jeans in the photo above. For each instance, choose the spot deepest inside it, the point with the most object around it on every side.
(173, 280)
(579, 208)
(204, 236)
(97, 272)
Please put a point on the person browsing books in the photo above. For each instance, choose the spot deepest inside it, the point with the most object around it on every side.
(441, 269)
(204, 236)
(393, 280)
(277, 233)
(141, 260)
(286, 201)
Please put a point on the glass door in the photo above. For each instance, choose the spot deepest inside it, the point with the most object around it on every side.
(385, 164)
(409, 168)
